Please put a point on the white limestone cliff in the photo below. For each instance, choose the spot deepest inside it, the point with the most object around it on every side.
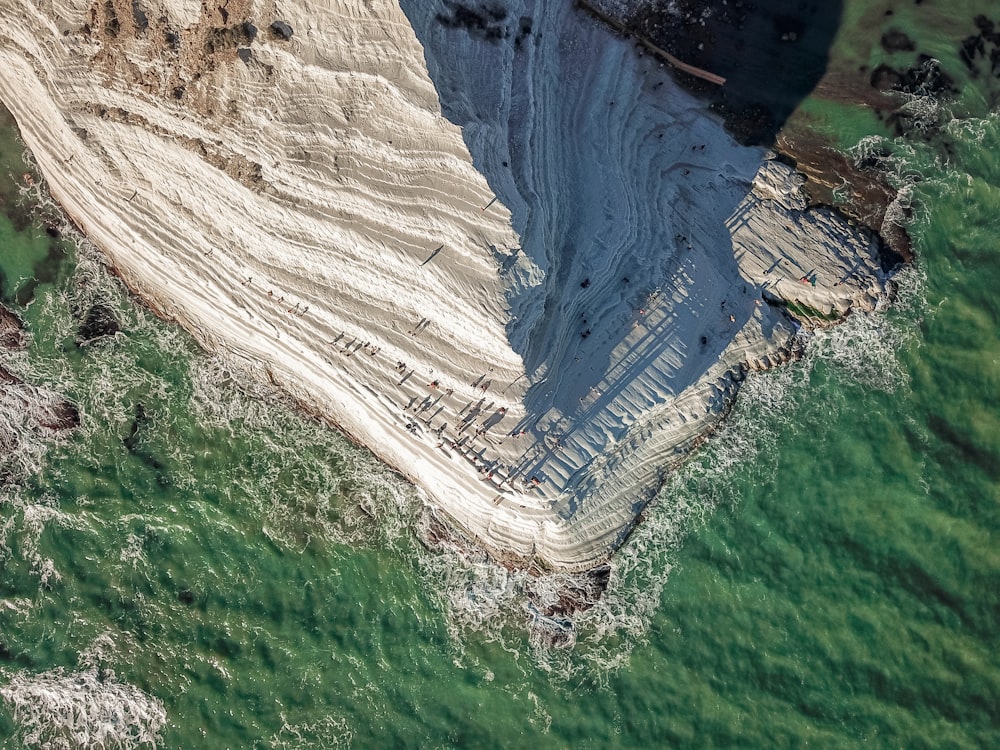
(533, 363)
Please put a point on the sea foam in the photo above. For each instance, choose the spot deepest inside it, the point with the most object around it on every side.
(82, 710)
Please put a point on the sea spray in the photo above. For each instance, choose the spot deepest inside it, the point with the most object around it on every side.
(498, 604)
(865, 348)
(22, 444)
(84, 710)
(23, 522)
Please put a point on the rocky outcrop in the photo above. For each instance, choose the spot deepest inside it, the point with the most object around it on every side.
(11, 330)
(99, 322)
(25, 407)
(46, 409)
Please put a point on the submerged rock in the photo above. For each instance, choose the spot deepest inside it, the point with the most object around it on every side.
(139, 422)
(42, 407)
(578, 594)
(11, 330)
(895, 40)
(59, 415)
(99, 322)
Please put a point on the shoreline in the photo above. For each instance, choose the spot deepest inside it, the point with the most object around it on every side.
(540, 436)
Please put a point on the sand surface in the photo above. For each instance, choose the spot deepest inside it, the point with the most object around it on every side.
(534, 363)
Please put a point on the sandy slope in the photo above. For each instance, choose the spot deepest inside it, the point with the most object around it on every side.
(303, 205)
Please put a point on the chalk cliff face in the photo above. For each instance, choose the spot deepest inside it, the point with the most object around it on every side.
(279, 178)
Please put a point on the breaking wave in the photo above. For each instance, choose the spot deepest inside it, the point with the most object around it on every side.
(85, 710)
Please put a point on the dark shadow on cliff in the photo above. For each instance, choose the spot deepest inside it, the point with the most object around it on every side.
(772, 53)
(608, 230)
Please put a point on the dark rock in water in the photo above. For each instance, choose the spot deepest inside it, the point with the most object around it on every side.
(926, 78)
(8, 378)
(885, 78)
(99, 322)
(59, 415)
(972, 46)
(581, 594)
(981, 48)
(551, 618)
(47, 409)
(552, 632)
(889, 257)
(18, 658)
(140, 420)
(896, 41)
(281, 30)
(133, 444)
(11, 330)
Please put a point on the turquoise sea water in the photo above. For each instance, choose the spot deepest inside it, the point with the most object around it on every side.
(825, 573)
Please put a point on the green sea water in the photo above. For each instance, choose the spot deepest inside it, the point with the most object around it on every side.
(825, 573)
